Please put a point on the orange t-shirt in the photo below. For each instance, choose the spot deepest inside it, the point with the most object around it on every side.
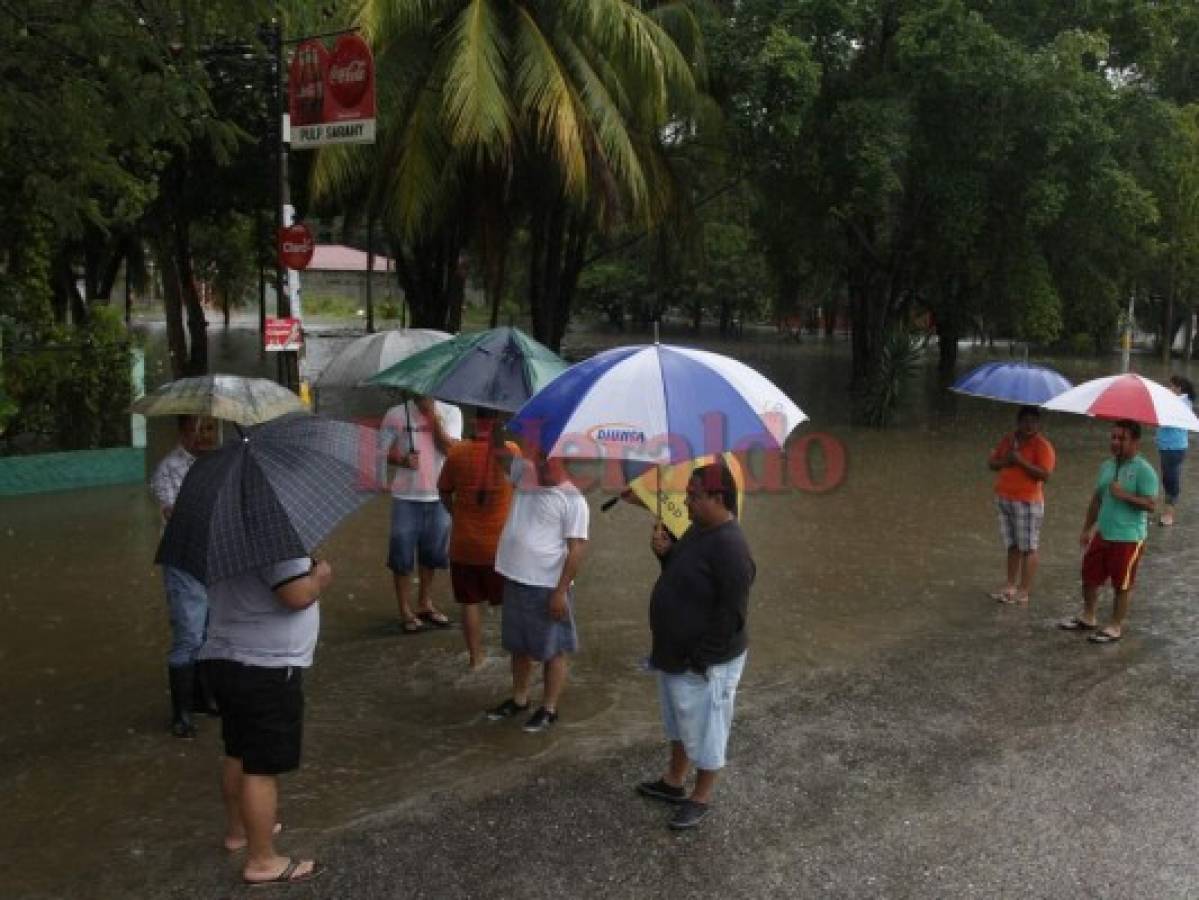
(1013, 482)
(482, 493)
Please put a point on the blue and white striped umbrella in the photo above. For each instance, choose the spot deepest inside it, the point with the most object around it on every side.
(657, 403)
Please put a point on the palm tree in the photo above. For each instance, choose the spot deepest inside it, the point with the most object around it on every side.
(547, 114)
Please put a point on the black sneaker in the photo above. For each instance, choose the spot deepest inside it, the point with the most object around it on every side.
(540, 720)
(506, 710)
(660, 790)
(689, 815)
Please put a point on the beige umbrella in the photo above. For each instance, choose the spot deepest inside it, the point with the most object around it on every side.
(246, 401)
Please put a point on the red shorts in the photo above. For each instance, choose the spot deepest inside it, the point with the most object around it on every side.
(1116, 560)
(476, 584)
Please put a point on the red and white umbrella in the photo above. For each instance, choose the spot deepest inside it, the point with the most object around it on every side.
(1127, 397)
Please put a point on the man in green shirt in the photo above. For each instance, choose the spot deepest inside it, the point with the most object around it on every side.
(1114, 531)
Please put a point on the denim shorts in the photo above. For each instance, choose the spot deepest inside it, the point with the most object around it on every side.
(526, 627)
(420, 536)
(698, 710)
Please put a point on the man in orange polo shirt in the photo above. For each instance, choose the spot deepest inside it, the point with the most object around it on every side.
(475, 488)
(1024, 460)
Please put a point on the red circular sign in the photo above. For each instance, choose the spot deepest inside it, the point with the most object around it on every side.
(296, 246)
(350, 70)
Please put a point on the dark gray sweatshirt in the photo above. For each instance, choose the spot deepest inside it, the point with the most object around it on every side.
(700, 605)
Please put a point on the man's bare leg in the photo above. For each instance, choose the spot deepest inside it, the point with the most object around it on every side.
(1120, 608)
(259, 804)
(1028, 570)
(402, 589)
(424, 596)
(522, 670)
(235, 829)
(680, 765)
(1013, 569)
(472, 633)
(705, 783)
(1090, 604)
(555, 681)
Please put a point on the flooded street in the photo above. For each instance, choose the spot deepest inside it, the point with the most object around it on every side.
(100, 801)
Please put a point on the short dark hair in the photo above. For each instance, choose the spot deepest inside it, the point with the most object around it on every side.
(1133, 428)
(1184, 384)
(715, 478)
(1028, 412)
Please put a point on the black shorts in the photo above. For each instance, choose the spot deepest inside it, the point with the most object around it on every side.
(262, 714)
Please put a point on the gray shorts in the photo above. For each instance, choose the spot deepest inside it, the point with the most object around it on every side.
(1020, 523)
(527, 628)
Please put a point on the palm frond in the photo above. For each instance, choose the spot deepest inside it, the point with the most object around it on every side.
(610, 127)
(476, 108)
(544, 94)
(380, 18)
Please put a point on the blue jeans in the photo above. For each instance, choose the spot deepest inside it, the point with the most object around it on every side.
(187, 602)
(1172, 461)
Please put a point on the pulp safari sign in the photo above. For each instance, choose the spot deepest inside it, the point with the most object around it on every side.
(283, 334)
(296, 246)
(332, 94)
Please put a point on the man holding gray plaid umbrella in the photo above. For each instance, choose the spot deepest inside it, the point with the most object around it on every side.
(246, 522)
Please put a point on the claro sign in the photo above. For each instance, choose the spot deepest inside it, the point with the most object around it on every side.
(296, 246)
(331, 95)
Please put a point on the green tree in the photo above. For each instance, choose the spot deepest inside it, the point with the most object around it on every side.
(535, 114)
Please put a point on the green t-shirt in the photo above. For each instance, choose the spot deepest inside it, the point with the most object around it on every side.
(1120, 521)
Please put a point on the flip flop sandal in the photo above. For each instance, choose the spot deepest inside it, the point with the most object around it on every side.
(1104, 637)
(1001, 596)
(289, 876)
(412, 626)
(1075, 624)
(435, 619)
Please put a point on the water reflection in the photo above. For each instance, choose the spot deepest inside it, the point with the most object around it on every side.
(99, 800)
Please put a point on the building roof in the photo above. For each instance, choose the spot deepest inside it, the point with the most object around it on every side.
(340, 258)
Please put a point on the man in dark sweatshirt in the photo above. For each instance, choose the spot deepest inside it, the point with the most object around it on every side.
(698, 615)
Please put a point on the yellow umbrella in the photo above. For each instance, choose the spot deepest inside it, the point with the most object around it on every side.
(644, 490)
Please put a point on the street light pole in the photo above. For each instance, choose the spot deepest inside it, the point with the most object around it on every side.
(288, 364)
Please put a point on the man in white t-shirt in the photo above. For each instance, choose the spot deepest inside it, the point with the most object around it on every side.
(415, 436)
(539, 554)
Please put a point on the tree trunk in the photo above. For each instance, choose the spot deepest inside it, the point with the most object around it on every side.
(197, 325)
(172, 304)
(1168, 327)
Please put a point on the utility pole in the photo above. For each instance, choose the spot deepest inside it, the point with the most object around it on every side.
(288, 362)
(370, 273)
(1126, 339)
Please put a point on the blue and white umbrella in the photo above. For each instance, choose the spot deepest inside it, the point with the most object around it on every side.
(1013, 382)
(659, 404)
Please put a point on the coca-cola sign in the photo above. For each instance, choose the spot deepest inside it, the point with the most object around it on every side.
(332, 95)
(350, 72)
(306, 79)
(296, 246)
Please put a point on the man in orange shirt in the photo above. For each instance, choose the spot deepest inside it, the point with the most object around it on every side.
(475, 488)
(1024, 461)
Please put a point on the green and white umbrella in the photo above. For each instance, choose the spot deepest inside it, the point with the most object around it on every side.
(246, 401)
(497, 369)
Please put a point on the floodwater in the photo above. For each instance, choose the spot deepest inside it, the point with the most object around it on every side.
(100, 801)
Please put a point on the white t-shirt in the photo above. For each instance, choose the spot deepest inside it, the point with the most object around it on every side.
(419, 483)
(532, 546)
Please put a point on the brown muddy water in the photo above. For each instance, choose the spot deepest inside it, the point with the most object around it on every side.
(99, 801)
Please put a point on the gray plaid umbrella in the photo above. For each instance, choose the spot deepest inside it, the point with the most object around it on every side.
(274, 495)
